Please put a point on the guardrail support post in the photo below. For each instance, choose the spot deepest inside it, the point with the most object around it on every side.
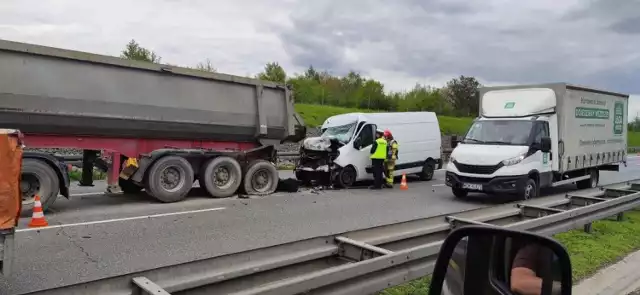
(359, 251)
(620, 216)
(588, 227)
(7, 247)
(146, 287)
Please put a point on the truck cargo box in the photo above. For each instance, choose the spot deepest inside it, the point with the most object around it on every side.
(592, 123)
(47, 90)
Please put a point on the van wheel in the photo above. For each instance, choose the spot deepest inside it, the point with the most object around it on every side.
(170, 179)
(261, 178)
(302, 178)
(459, 193)
(38, 178)
(222, 177)
(427, 170)
(347, 177)
(530, 190)
(592, 182)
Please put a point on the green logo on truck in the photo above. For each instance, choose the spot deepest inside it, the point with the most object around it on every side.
(592, 113)
(618, 117)
(509, 105)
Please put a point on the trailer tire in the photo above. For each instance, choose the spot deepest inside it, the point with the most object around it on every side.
(164, 192)
(210, 176)
(37, 177)
(128, 186)
(261, 178)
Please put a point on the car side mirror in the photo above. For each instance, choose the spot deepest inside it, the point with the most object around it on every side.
(545, 144)
(509, 262)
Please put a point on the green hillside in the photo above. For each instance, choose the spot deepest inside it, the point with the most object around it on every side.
(314, 116)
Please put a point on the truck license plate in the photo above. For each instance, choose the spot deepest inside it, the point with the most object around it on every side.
(472, 186)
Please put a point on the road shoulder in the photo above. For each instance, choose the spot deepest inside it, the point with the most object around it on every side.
(620, 278)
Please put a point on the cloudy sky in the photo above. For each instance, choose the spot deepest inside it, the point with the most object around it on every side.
(590, 42)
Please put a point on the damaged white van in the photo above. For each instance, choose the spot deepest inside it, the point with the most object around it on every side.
(340, 156)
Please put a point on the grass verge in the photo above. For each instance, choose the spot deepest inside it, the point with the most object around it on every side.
(609, 242)
(314, 116)
(76, 175)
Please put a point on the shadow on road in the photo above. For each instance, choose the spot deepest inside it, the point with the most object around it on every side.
(502, 199)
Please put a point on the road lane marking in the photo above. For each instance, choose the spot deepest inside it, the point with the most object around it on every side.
(88, 194)
(121, 219)
(440, 184)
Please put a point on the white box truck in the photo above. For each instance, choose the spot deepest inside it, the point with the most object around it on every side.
(529, 137)
(341, 154)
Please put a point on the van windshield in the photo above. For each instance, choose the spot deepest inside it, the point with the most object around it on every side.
(499, 132)
(342, 133)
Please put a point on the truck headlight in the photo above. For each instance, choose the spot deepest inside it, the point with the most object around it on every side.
(513, 161)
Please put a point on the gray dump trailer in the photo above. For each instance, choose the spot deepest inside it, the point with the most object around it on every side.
(46, 90)
(180, 124)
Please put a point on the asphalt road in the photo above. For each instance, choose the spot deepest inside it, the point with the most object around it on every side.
(123, 238)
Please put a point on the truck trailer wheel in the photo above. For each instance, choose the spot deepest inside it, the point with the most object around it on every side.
(169, 179)
(38, 178)
(222, 177)
(261, 178)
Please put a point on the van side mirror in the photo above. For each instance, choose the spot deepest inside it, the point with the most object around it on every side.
(509, 262)
(545, 144)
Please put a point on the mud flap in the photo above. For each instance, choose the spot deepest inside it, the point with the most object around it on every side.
(11, 163)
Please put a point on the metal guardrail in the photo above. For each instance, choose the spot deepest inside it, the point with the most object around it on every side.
(362, 261)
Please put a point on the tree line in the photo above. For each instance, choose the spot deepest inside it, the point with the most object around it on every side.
(457, 98)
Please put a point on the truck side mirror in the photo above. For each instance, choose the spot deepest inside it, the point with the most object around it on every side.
(545, 144)
(454, 141)
(486, 257)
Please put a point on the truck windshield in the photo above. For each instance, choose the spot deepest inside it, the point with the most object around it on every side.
(342, 133)
(502, 132)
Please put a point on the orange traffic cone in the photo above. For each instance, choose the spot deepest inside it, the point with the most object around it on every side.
(37, 219)
(403, 183)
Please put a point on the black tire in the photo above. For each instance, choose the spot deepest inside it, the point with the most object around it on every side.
(346, 177)
(179, 168)
(261, 178)
(530, 190)
(428, 169)
(128, 186)
(223, 183)
(302, 178)
(459, 193)
(37, 177)
(592, 182)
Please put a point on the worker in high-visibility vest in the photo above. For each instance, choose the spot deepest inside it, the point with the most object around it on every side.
(392, 156)
(378, 155)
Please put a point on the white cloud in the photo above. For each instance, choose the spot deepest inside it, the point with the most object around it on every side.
(401, 43)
